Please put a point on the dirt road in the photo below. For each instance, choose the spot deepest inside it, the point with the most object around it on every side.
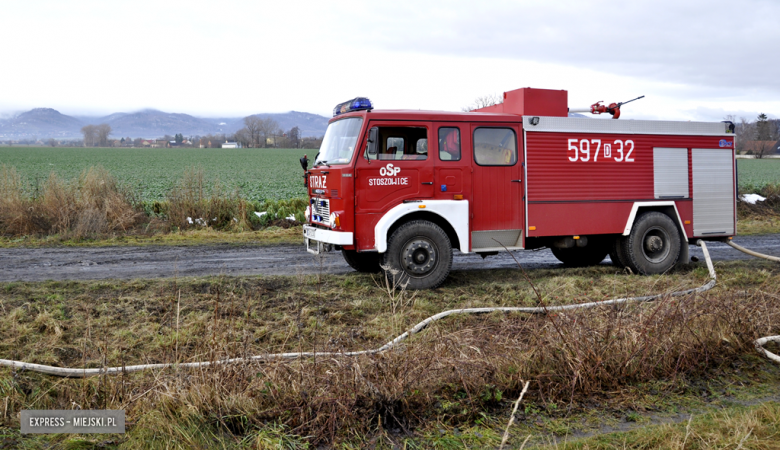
(39, 264)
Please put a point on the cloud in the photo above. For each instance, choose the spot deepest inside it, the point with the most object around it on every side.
(720, 44)
(244, 57)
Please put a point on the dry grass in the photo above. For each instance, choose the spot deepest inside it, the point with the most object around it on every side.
(93, 205)
(755, 427)
(762, 217)
(190, 206)
(453, 373)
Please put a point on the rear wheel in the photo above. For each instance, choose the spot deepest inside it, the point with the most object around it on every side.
(616, 252)
(590, 255)
(362, 262)
(653, 246)
(419, 254)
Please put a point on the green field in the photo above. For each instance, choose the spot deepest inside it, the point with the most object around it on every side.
(258, 174)
(756, 173)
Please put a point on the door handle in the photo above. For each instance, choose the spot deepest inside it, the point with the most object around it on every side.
(427, 182)
(517, 181)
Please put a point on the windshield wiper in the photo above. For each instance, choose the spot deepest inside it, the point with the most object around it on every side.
(322, 163)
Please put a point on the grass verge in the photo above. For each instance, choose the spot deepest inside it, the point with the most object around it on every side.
(94, 209)
(272, 235)
(762, 217)
(449, 387)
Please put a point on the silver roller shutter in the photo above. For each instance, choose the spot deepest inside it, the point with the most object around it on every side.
(670, 169)
(713, 192)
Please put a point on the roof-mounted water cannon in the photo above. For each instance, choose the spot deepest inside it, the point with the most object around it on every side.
(598, 108)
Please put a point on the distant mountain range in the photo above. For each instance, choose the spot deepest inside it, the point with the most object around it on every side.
(45, 123)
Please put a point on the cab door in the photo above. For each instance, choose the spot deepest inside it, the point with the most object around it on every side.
(453, 165)
(498, 203)
(401, 170)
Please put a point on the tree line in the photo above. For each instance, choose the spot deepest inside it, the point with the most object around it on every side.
(757, 137)
(256, 133)
(96, 135)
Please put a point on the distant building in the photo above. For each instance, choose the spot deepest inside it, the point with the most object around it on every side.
(765, 147)
(229, 144)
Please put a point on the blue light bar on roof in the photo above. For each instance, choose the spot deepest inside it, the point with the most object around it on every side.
(356, 104)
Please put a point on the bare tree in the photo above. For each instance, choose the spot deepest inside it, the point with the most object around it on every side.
(244, 137)
(252, 130)
(484, 101)
(744, 131)
(762, 148)
(89, 132)
(295, 137)
(103, 131)
(52, 143)
(268, 128)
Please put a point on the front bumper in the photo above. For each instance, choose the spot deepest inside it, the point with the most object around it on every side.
(319, 240)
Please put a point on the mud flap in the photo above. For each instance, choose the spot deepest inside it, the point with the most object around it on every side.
(685, 256)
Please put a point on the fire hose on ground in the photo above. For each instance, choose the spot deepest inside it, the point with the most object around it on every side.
(759, 343)
(84, 372)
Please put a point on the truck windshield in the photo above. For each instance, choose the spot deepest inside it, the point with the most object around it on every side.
(339, 142)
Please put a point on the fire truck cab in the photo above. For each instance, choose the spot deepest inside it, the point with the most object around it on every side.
(401, 189)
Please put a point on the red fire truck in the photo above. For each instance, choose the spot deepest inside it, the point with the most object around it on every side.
(402, 189)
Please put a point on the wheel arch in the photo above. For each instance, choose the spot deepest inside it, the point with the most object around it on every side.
(669, 208)
(450, 215)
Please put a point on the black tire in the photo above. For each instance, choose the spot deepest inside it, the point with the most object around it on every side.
(419, 254)
(653, 246)
(363, 262)
(616, 252)
(590, 255)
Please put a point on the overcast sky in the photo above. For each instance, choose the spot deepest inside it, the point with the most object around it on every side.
(694, 60)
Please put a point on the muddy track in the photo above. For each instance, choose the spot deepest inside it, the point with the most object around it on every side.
(39, 264)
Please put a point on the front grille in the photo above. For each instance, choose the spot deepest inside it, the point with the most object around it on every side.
(320, 210)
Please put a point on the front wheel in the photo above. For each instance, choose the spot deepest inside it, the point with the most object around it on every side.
(653, 246)
(419, 255)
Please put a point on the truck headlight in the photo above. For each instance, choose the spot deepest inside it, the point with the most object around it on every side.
(334, 220)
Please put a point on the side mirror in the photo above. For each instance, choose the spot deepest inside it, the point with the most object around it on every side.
(304, 163)
(373, 134)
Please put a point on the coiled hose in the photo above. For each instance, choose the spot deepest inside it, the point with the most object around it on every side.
(759, 343)
(84, 372)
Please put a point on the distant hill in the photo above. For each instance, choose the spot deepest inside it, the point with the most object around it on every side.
(152, 123)
(41, 122)
(309, 124)
(44, 123)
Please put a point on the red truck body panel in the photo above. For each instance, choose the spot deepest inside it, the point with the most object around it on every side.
(595, 196)
(574, 177)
